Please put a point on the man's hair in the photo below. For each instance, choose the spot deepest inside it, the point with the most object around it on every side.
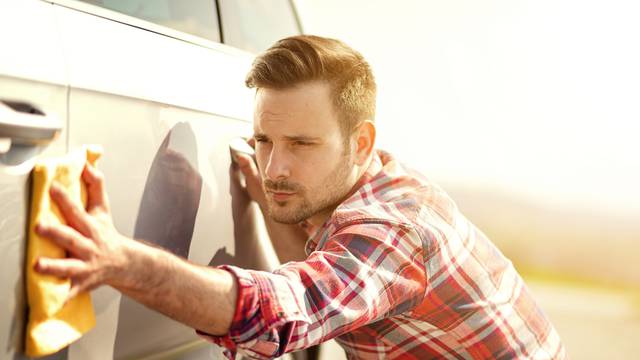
(298, 59)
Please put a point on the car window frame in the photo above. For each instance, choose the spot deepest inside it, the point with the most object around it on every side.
(149, 26)
(292, 7)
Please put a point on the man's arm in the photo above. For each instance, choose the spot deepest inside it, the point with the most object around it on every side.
(359, 276)
(197, 296)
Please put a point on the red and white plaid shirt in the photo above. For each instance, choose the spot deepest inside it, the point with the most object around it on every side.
(396, 272)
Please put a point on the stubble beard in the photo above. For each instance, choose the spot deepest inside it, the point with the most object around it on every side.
(328, 196)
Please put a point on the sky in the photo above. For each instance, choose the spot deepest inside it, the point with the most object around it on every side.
(539, 98)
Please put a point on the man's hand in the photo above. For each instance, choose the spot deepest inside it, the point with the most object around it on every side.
(98, 251)
(253, 181)
(197, 296)
(287, 240)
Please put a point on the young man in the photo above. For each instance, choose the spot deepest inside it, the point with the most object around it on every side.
(376, 256)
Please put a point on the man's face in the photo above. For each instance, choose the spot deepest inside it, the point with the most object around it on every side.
(305, 165)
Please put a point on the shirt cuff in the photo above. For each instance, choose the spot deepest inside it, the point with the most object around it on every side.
(266, 303)
(245, 311)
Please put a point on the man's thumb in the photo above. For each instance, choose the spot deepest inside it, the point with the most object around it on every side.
(247, 165)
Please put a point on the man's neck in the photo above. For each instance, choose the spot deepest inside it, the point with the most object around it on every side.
(317, 220)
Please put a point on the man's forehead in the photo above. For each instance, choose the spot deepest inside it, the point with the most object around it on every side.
(289, 129)
(305, 111)
(261, 115)
(311, 96)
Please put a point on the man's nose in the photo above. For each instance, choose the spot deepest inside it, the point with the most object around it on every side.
(278, 165)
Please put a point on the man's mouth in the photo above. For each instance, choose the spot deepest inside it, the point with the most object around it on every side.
(280, 195)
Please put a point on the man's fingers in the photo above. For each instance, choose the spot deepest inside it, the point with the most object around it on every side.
(96, 192)
(81, 277)
(253, 182)
(67, 238)
(80, 285)
(62, 268)
(74, 291)
(247, 165)
(75, 215)
(250, 171)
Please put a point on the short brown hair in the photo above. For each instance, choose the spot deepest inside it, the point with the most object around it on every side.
(298, 59)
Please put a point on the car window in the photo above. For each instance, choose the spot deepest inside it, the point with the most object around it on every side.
(196, 17)
(254, 25)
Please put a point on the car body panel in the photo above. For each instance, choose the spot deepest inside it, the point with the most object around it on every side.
(31, 72)
(166, 160)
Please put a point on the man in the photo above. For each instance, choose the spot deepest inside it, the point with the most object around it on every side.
(377, 257)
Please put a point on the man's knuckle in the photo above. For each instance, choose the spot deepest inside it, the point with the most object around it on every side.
(72, 242)
(99, 177)
(46, 231)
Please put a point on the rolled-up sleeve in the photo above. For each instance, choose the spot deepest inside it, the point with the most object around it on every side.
(362, 273)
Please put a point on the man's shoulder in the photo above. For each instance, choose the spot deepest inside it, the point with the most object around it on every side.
(396, 195)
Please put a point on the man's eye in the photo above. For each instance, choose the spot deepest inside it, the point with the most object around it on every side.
(302, 143)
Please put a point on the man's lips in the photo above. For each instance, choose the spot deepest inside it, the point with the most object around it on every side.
(281, 196)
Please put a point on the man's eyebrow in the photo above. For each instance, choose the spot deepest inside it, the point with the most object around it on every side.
(301, 138)
(262, 136)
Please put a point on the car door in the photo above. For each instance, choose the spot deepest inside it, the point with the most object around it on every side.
(151, 82)
(164, 104)
(33, 108)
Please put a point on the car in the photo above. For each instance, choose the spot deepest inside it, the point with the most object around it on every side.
(160, 85)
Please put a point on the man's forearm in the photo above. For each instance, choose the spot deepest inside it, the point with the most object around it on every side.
(201, 297)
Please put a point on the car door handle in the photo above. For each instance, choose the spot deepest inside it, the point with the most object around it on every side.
(21, 123)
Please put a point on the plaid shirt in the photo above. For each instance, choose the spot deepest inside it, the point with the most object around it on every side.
(396, 272)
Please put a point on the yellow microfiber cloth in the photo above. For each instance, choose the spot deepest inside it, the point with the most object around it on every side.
(54, 324)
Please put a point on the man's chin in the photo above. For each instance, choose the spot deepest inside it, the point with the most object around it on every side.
(286, 221)
(286, 218)
(280, 214)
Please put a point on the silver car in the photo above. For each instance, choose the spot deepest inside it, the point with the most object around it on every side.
(160, 85)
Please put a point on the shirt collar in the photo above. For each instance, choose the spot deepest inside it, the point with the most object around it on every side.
(375, 166)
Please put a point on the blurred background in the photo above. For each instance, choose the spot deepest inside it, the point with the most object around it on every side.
(527, 113)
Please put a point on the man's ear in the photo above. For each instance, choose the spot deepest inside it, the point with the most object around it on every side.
(365, 138)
